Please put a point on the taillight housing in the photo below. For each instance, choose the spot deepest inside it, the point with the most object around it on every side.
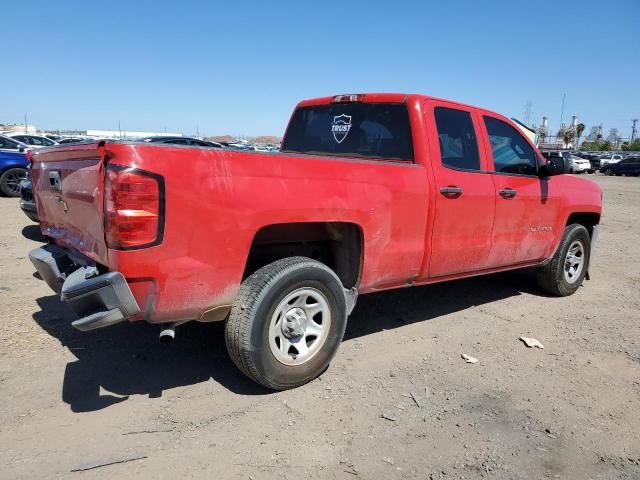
(133, 208)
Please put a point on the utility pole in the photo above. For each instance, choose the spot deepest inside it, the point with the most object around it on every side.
(119, 130)
(564, 95)
(633, 130)
(527, 112)
(25, 124)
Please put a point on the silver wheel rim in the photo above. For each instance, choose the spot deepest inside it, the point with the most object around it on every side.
(299, 326)
(574, 262)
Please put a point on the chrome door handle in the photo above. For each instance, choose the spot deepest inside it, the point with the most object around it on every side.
(451, 192)
(507, 193)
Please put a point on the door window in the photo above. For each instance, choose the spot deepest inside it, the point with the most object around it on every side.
(511, 152)
(8, 144)
(458, 143)
(38, 141)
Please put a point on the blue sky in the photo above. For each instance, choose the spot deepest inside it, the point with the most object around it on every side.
(240, 67)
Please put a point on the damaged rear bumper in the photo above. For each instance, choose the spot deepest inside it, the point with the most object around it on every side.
(98, 300)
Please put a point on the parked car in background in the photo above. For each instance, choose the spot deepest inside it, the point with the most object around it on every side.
(27, 203)
(13, 168)
(593, 159)
(51, 136)
(34, 141)
(629, 166)
(64, 141)
(8, 144)
(193, 142)
(608, 159)
(580, 165)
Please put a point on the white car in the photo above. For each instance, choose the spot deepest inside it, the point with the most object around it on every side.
(34, 141)
(580, 165)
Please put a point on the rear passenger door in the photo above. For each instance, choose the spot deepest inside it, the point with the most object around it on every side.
(464, 203)
(526, 205)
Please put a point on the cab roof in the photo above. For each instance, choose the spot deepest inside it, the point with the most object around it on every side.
(387, 98)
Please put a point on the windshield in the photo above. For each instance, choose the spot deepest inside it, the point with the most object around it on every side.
(375, 130)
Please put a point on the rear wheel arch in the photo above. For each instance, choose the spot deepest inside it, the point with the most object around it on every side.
(338, 245)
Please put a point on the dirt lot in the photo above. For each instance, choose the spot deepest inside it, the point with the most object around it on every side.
(570, 411)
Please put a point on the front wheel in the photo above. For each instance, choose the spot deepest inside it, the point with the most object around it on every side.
(608, 172)
(287, 322)
(10, 181)
(566, 271)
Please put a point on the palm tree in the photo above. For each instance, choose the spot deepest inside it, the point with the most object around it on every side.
(567, 136)
(579, 131)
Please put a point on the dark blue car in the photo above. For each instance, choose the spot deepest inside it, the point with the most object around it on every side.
(13, 168)
(629, 166)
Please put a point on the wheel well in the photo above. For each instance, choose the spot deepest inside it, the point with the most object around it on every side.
(586, 219)
(336, 244)
(9, 167)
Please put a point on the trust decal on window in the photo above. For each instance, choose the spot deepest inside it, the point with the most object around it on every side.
(340, 127)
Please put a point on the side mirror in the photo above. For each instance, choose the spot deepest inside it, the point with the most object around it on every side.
(555, 166)
(21, 149)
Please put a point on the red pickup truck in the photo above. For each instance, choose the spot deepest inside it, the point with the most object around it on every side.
(369, 192)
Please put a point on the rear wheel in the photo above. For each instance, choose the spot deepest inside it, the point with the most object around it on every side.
(566, 271)
(10, 181)
(287, 322)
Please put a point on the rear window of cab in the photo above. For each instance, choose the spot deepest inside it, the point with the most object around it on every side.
(369, 130)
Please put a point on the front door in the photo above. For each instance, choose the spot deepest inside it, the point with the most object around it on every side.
(526, 205)
(464, 204)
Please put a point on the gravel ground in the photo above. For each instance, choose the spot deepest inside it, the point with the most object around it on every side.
(397, 402)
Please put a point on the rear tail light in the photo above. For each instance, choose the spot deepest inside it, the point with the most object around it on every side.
(134, 208)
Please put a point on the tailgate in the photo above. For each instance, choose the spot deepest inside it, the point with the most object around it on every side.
(68, 187)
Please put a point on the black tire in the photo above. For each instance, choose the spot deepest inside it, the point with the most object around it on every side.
(608, 172)
(247, 329)
(10, 181)
(551, 277)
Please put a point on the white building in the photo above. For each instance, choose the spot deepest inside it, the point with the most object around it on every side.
(17, 128)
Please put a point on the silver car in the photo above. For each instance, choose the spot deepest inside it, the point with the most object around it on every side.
(34, 141)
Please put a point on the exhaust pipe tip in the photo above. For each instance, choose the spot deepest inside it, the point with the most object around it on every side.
(167, 333)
